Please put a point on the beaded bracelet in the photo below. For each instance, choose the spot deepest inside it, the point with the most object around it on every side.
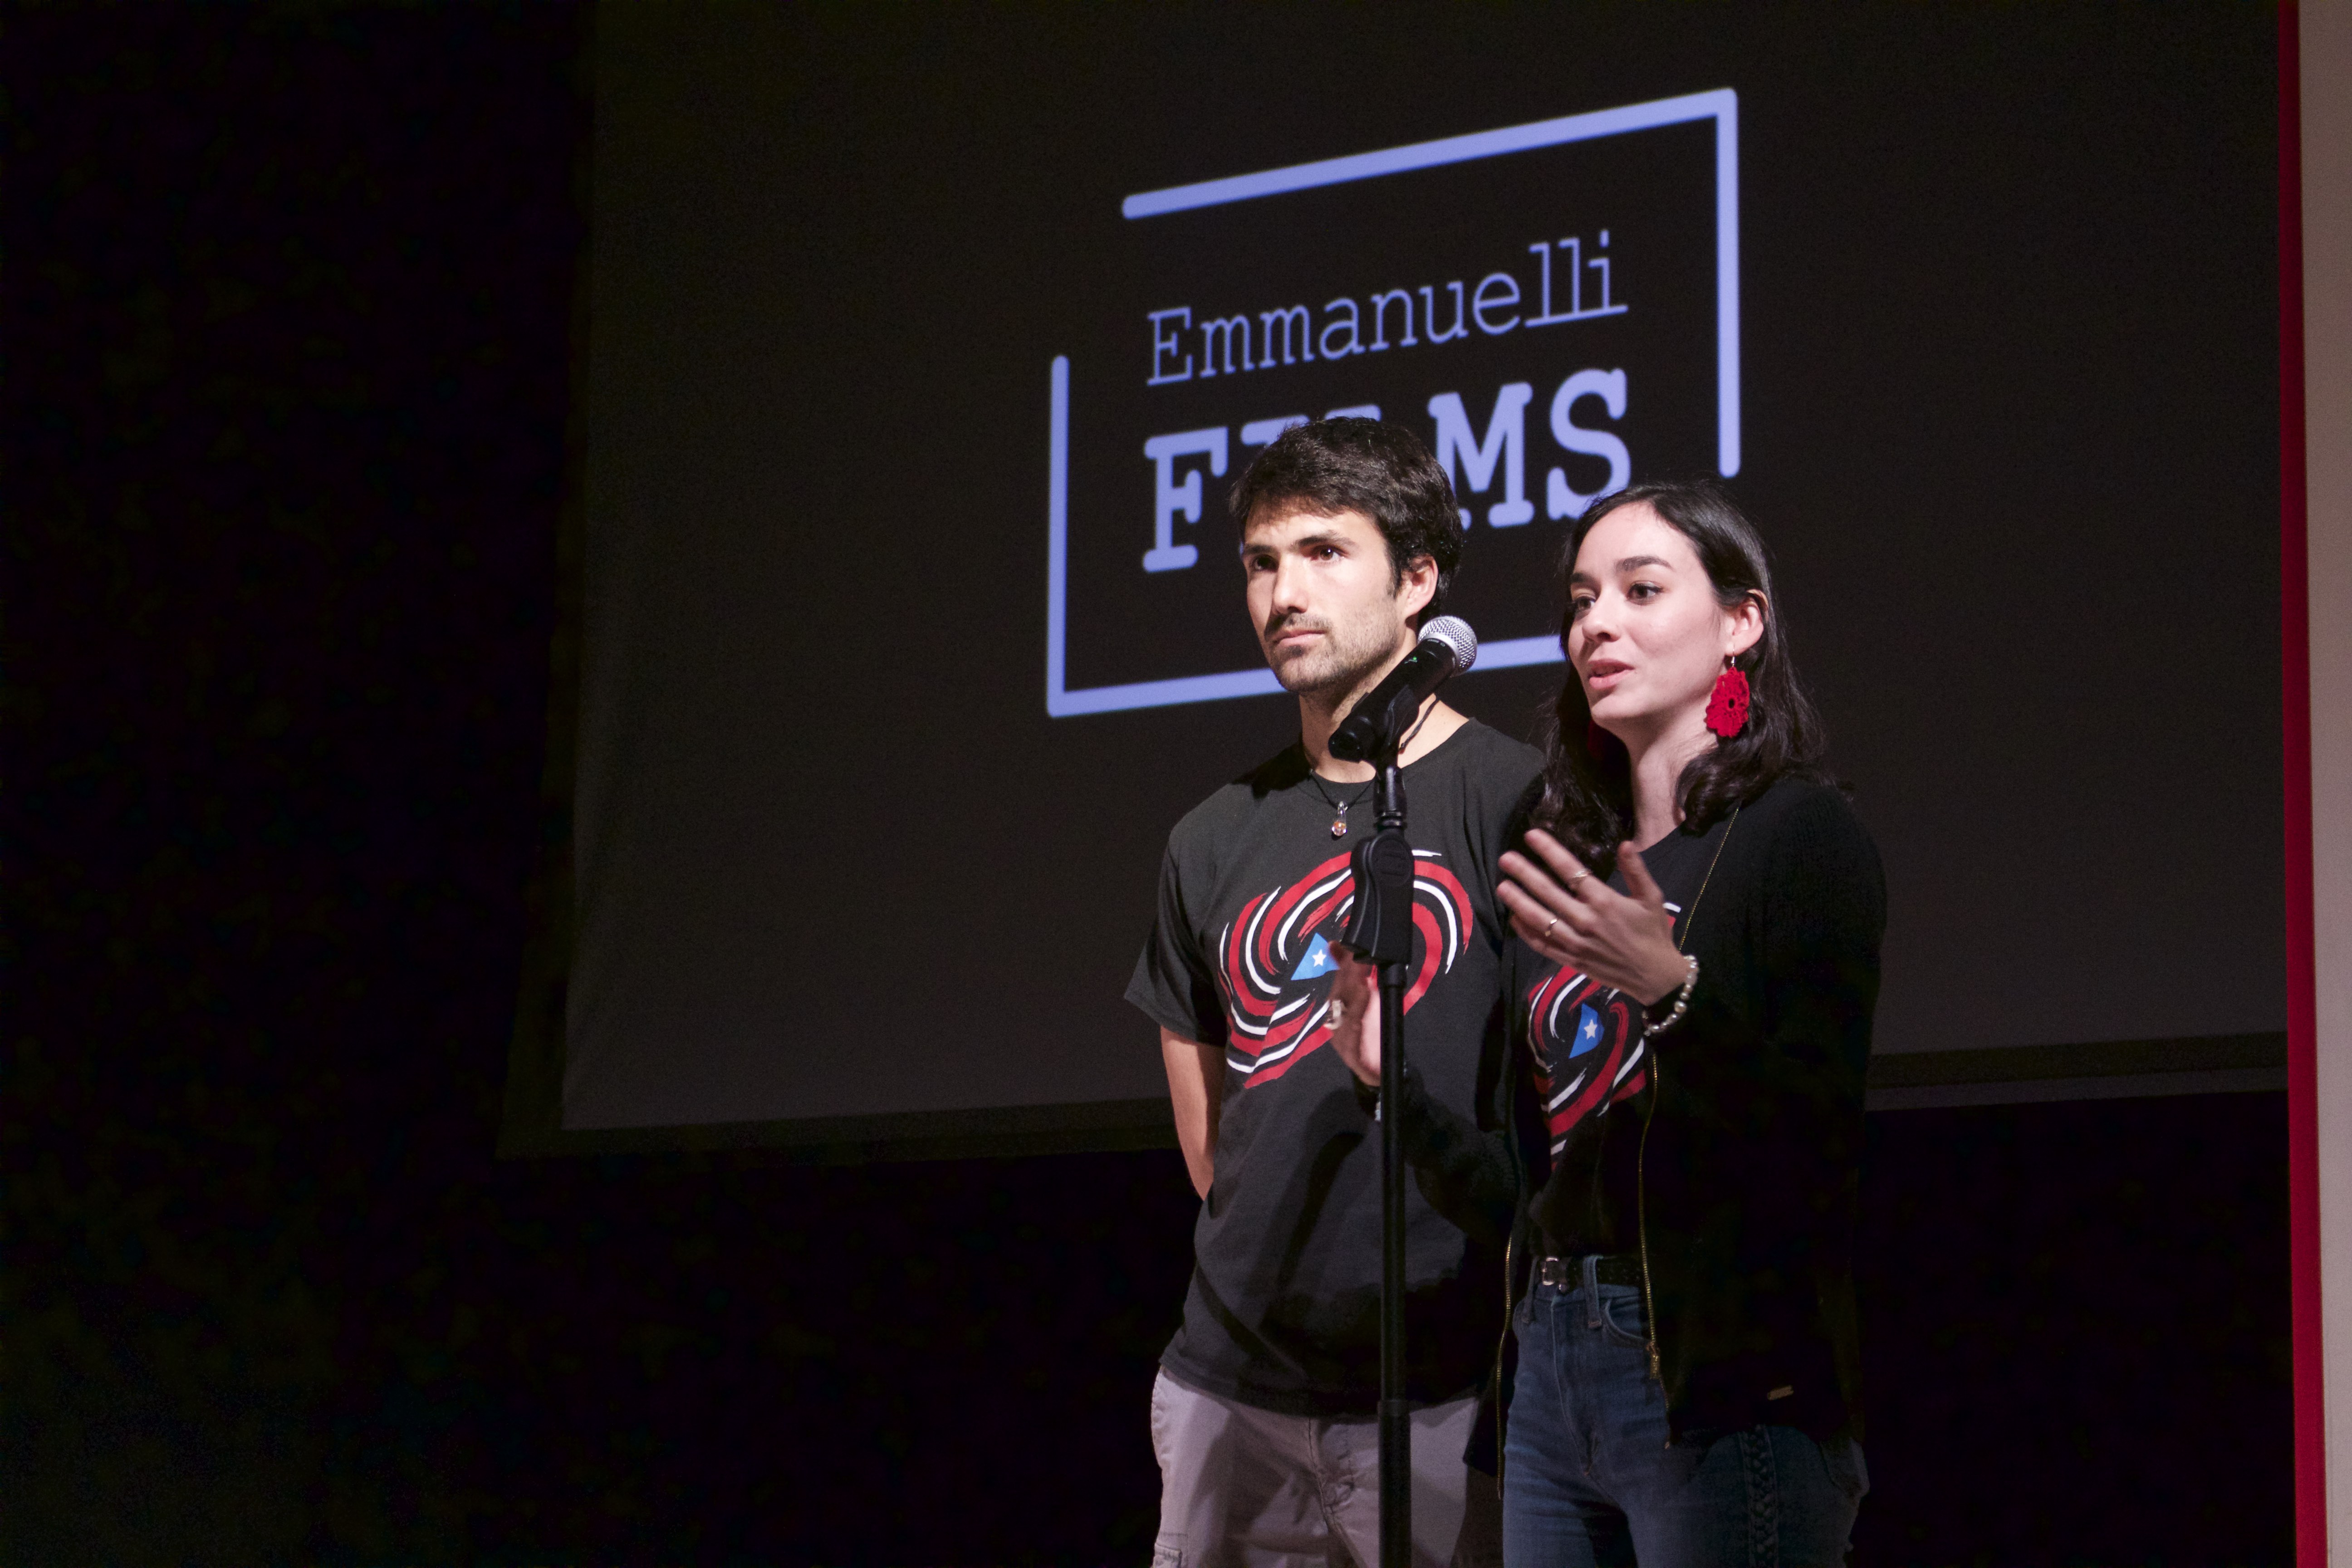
(1681, 1003)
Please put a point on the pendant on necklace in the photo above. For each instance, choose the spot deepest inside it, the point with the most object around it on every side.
(1339, 823)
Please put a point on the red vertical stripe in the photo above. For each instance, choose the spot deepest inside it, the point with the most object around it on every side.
(2302, 997)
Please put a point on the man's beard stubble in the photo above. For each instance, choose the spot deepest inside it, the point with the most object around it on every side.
(1346, 665)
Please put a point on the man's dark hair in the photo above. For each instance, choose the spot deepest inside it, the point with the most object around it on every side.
(1332, 466)
(1588, 798)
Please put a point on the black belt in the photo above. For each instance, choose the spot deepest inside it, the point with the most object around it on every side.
(1567, 1273)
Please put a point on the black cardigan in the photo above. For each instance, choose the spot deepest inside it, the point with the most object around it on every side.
(1754, 1133)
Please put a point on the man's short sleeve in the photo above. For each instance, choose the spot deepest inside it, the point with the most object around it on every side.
(1175, 982)
(1520, 817)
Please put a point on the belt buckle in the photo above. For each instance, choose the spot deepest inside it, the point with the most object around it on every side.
(1561, 1273)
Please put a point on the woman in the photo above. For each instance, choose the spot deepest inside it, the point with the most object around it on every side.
(1696, 918)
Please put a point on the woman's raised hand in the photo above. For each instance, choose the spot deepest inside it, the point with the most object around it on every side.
(1625, 941)
(1355, 1016)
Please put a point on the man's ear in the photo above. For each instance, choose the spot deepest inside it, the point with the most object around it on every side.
(1418, 586)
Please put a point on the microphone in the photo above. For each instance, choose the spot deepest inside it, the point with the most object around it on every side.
(1378, 722)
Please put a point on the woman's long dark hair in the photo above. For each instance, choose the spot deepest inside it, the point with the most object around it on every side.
(1587, 797)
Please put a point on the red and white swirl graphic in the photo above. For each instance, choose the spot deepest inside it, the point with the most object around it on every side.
(1275, 964)
(1588, 1054)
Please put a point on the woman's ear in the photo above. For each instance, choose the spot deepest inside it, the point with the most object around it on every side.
(1746, 627)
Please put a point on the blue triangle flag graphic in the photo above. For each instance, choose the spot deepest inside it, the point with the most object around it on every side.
(1588, 1031)
(1318, 961)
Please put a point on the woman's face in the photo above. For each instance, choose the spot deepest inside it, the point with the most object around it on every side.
(1647, 638)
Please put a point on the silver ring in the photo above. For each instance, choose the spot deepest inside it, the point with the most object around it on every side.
(1551, 928)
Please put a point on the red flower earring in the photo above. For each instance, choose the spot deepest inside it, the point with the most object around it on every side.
(1727, 709)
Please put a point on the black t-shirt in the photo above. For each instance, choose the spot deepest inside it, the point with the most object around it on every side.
(1585, 1049)
(1283, 1308)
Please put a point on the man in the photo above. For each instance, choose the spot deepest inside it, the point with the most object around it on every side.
(1264, 1413)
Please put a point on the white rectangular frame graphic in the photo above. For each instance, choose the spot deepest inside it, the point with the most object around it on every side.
(1722, 106)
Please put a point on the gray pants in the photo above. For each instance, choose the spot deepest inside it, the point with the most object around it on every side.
(1245, 1488)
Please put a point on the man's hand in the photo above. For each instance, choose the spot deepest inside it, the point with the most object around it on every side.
(1575, 919)
(1355, 1016)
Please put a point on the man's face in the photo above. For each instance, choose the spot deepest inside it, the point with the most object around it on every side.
(1329, 610)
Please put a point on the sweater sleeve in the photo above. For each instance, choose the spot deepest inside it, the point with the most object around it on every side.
(1824, 915)
(1468, 1174)
(1813, 937)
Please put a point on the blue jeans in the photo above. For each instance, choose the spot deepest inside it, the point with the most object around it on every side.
(1588, 1478)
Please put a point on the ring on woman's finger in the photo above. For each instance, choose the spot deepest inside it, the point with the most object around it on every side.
(1551, 928)
(1572, 881)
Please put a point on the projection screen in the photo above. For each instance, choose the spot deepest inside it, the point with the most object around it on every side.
(923, 345)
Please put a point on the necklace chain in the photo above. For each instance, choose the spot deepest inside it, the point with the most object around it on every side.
(1340, 809)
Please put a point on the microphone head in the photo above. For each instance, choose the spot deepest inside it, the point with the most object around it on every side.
(1455, 634)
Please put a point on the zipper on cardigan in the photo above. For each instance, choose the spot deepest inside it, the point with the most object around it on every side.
(1642, 1220)
(1502, 1349)
(1642, 1149)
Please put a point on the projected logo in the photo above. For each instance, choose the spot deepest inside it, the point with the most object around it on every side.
(1276, 964)
(1554, 308)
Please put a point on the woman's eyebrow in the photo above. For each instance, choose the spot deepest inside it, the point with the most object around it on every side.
(1631, 563)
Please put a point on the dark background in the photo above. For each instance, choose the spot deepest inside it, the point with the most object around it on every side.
(2009, 346)
(289, 335)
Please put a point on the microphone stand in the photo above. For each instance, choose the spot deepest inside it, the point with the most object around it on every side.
(1382, 929)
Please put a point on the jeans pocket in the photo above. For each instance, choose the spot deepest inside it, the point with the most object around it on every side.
(1842, 1456)
(1621, 1319)
(1161, 1419)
